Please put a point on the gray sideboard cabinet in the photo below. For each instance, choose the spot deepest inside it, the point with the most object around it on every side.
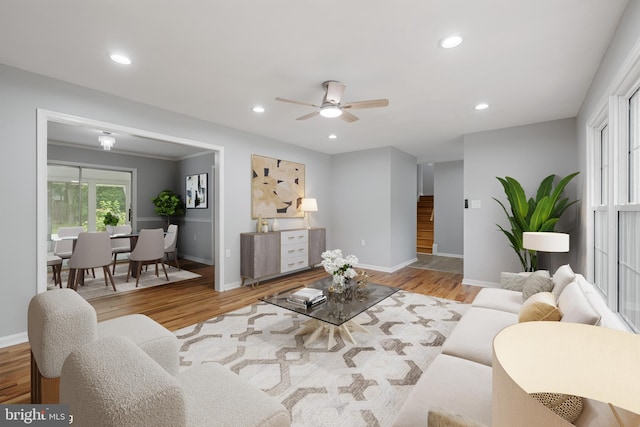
(279, 252)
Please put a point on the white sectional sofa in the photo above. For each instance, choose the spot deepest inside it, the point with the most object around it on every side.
(459, 380)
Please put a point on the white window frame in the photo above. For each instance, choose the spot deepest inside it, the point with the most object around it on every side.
(614, 110)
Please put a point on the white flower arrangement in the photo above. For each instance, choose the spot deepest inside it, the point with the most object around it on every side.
(335, 264)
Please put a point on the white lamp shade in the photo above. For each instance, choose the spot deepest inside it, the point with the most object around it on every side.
(545, 241)
(309, 205)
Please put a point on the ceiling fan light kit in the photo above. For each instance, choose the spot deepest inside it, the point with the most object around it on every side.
(331, 105)
(330, 111)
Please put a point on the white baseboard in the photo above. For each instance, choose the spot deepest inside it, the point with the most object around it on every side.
(196, 259)
(450, 255)
(482, 283)
(15, 339)
(387, 269)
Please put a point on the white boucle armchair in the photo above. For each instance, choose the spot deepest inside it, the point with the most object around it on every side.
(111, 382)
(60, 320)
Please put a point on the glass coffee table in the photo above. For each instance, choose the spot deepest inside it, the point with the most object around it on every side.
(337, 313)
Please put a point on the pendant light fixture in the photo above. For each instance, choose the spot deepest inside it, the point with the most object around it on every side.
(107, 140)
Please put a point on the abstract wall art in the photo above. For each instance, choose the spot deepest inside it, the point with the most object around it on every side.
(277, 187)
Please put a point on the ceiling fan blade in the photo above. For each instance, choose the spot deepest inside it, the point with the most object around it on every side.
(308, 116)
(334, 92)
(373, 103)
(348, 117)
(296, 102)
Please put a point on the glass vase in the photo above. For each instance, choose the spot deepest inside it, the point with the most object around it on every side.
(338, 283)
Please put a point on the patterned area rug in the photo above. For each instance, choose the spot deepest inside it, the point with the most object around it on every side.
(364, 384)
(95, 288)
(439, 263)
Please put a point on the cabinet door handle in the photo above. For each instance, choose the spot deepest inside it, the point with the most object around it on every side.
(291, 237)
(291, 251)
(291, 263)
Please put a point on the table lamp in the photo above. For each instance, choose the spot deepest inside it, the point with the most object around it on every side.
(545, 242)
(308, 205)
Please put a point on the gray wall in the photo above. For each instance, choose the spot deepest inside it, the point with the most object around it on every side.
(373, 200)
(403, 208)
(625, 39)
(448, 193)
(527, 153)
(195, 229)
(428, 186)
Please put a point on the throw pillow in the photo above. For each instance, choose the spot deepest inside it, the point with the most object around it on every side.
(512, 281)
(540, 306)
(440, 417)
(565, 405)
(561, 278)
(538, 281)
(575, 307)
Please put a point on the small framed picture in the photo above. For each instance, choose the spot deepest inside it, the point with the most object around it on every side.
(197, 193)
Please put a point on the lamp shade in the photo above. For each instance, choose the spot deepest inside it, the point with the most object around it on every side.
(545, 241)
(309, 205)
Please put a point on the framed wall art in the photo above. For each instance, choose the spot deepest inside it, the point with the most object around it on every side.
(277, 188)
(197, 194)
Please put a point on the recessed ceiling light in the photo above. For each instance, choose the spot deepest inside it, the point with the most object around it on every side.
(449, 42)
(482, 106)
(333, 136)
(120, 59)
(258, 109)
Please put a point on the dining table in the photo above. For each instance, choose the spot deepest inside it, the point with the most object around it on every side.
(133, 239)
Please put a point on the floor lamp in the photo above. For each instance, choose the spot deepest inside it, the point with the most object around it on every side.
(545, 241)
(308, 205)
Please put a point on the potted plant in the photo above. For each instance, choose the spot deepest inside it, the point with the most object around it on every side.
(168, 204)
(537, 215)
(110, 221)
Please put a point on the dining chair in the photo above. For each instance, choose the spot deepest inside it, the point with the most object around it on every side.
(55, 262)
(64, 248)
(170, 244)
(149, 250)
(120, 245)
(92, 250)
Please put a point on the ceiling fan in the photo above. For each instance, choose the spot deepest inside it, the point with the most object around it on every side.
(331, 103)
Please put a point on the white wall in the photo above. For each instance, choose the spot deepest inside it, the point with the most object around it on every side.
(527, 153)
(625, 40)
(448, 178)
(373, 200)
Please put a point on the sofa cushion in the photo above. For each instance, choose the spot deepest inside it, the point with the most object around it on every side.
(472, 338)
(540, 306)
(561, 278)
(499, 299)
(461, 386)
(441, 417)
(538, 281)
(574, 306)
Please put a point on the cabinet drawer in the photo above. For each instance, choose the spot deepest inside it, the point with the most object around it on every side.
(293, 250)
(293, 237)
(293, 263)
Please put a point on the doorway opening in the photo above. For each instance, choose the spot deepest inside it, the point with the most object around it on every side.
(44, 118)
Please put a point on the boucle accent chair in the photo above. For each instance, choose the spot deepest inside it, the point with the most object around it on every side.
(60, 321)
(111, 382)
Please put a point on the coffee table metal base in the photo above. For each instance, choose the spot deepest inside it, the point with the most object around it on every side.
(317, 328)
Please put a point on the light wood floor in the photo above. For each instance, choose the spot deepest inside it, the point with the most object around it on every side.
(184, 303)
